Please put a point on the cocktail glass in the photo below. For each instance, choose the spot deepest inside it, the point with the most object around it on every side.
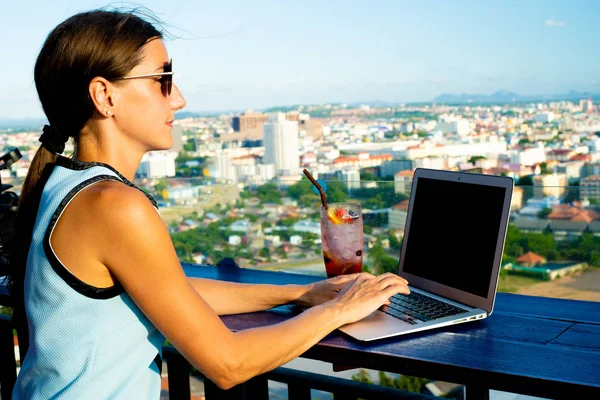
(342, 237)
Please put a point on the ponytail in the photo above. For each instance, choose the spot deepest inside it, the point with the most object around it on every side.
(29, 202)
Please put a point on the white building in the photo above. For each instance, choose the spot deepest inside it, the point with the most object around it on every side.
(281, 144)
(157, 164)
(460, 127)
(307, 226)
(549, 185)
(235, 240)
(544, 117)
(224, 168)
(242, 225)
(266, 172)
(529, 156)
(352, 178)
(403, 182)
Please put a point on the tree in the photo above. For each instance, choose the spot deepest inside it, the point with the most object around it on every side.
(388, 264)
(299, 189)
(269, 193)
(543, 214)
(544, 169)
(526, 180)
(571, 195)
(474, 159)
(367, 176)
(404, 382)
(160, 186)
(336, 192)
(264, 252)
(362, 376)
(265, 225)
(395, 243)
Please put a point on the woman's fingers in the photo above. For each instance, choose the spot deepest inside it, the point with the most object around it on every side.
(392, 290)
(389, 274)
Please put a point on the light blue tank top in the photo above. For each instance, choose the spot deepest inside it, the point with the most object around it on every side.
(85, 342)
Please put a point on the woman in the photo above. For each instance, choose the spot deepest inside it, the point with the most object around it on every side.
(101, 282)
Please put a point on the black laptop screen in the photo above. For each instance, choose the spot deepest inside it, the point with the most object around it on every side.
(454, 233)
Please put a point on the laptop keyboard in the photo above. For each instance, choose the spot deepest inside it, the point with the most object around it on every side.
(417, 307)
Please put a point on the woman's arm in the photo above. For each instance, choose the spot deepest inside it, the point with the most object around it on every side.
(133, 242)
(236, 298)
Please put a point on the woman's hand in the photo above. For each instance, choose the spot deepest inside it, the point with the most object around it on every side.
(366, 293)
(323, 291)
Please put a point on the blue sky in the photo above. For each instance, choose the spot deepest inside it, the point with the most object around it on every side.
(255, 54)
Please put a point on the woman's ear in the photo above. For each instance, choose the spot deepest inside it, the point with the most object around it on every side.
(101, 94)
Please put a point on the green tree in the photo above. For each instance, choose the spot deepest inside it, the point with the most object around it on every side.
(362, 376)
(388, 264)
(404, 382)
(544, 169)
(526, 180)
(160, 186)
(264, 252)
(269, 193)
(474, 159)
(299, 189)
(395, 243)
(367, 176)
(543, 214)
(336, 192)
(265, 224)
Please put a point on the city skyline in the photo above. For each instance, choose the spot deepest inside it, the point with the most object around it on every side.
(239, 55)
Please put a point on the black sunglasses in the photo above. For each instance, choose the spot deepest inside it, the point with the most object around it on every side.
(166, 78)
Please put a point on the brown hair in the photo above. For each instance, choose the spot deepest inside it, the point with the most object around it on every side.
(85, 46)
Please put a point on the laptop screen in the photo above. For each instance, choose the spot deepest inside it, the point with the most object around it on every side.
(453, 233)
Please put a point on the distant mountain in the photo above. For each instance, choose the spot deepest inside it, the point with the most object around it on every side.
(503, 96)
(22, 124)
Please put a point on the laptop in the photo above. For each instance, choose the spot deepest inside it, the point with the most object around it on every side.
(451, 253)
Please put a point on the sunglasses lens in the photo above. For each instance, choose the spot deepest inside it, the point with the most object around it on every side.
(167, 80)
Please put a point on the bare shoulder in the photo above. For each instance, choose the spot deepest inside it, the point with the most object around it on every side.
(123, 221)
(109, 197)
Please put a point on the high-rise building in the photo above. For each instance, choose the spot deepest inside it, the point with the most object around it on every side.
(224, 168)
(586, 105)
(249, 124)
(281, 144)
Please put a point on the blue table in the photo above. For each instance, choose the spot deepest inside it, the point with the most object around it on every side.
(530, 345)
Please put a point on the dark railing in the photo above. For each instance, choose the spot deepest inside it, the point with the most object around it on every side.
(299, 384)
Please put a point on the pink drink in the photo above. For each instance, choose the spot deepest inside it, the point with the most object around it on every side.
(342, 236)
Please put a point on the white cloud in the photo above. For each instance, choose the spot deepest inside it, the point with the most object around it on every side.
(555, 24)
